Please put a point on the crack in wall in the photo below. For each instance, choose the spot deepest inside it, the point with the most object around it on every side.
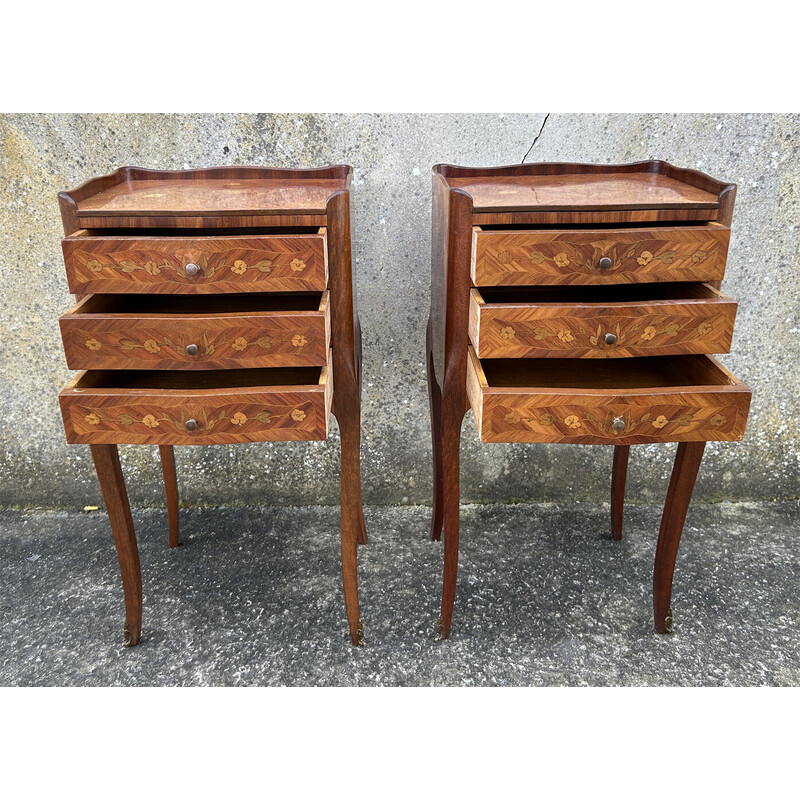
(536, 138)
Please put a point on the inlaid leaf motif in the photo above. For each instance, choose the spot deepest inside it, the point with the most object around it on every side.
(545, 419)
(541, 333)
(127, 344)
(126, 419)
(264, 417)
(668, 257)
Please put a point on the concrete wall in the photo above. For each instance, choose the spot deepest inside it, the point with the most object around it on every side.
(41, 155)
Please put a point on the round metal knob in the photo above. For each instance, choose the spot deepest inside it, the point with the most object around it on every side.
(618, 424)
(192, 269)
(191, 424)
(192, 350)
(605, 262)
(610, 338)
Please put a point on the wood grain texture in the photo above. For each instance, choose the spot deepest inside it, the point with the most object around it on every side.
(685, 320)
(262, 263)
(203, 198)
(553, 193)
(619, 474)
(112, 485)
(121, 408)
(581, 408)
(101, 332)
(447, 364)
(346, 335)
(638, 255)
(167, 456)
(681, 486)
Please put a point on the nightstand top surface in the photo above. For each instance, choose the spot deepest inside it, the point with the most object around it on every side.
(591, 192)
(136, 194)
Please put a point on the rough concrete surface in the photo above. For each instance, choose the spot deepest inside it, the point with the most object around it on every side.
(392, 155)
(253, 597)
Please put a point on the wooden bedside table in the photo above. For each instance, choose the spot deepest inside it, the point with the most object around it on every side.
(577, 303)
(215, 306)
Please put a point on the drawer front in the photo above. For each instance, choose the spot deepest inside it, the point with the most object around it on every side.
(214, 341)
(507, 258)
(253, 414)
(116, 264)
(615, 330)
(588, 416)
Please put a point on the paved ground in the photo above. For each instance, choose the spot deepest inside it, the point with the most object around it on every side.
(253, 597)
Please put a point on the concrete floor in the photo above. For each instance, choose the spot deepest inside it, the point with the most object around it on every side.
(253, 597)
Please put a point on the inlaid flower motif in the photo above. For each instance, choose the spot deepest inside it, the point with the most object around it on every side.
(566, 336)
(298, 415)
(151, 268)
(660, 421)
(298, 340)
(239, 267)
(512, 418)
(572, 421)
(718, 420)
(297, 264)
(699, 256)
(561, 260)
(507, 333)
(505, 257)
(537, 257)
(648, 333)
(238, 418)
(704, 328)
(645, 258)
(93, 344)
(94, 265)
(239, 343)
(150, 421)
(92, 419)
(151, 345)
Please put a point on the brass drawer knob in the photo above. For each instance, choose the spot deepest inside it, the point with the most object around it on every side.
(192, 269)
(192, 350)
(191, 424)
(618, 424)
(610, 338)
(605, 262)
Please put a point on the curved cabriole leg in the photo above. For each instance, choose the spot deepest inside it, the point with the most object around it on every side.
(171, 490)
(352, 525)
(451, 442)
(435, 401)
(112, 484)
(619, 473)
(681, 486)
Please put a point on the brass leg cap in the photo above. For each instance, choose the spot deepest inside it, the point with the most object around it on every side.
(668, 621)
(439, 630)
(126, 632)
(360, 634)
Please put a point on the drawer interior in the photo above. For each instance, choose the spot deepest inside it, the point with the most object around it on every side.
(199, 304)
(229, 379)
(618, 293)
(566, 373)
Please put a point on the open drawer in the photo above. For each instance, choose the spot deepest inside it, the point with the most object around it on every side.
(107, 331)
(290, 260)
(600, 321)
(659, 399)
(535, 257)
(214, 407)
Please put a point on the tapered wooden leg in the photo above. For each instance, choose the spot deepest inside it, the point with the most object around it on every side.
(171, 490)
(352, 526)
(451, 442)
(681, 486)
(618, 475)
(435, 402)
(112, 484)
